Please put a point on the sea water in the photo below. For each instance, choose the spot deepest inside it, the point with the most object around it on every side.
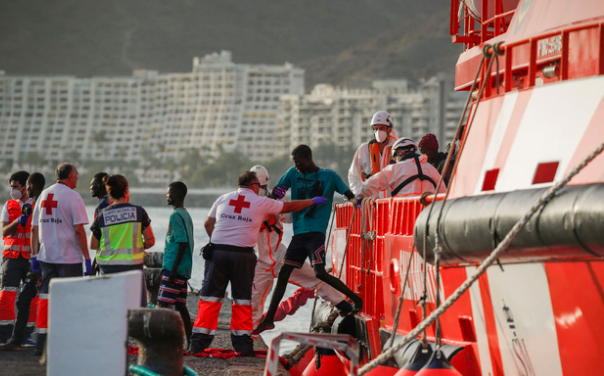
(159, 216)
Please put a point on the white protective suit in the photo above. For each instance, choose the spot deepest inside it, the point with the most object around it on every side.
(361, 166)
(270, 254)
(392, 175)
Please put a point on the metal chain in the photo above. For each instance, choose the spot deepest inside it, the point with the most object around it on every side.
(543, 200)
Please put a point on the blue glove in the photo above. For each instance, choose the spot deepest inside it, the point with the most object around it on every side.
(280, 191)
(23, 220)
(359, 201)
(35, 264)
(88, 267)
(319, 200)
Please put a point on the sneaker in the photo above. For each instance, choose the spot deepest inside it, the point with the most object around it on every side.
(28, 343)
(344, 308)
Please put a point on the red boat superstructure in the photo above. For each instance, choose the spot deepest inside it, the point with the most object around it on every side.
(541, 112)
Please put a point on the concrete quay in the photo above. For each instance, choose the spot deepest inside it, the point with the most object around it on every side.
(25, 363)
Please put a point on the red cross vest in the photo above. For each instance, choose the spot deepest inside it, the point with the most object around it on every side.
(18, 241)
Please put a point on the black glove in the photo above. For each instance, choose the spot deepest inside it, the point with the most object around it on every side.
(26, 209)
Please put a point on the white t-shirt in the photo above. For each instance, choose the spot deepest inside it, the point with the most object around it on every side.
(239, 216)
(5, 217)
(58, 209)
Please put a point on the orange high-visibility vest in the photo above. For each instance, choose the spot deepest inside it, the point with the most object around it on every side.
(376, 160)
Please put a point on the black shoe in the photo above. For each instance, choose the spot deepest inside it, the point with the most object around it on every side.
(193, 350)
(357, 307)
(344, 308)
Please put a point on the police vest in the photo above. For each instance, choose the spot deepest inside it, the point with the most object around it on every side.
(121, 240)
(18, 241)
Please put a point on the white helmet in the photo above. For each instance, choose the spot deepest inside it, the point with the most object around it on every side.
(404, 143)
(381, 117)
(261, 173)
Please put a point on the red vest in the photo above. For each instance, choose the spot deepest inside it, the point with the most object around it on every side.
(18, 241)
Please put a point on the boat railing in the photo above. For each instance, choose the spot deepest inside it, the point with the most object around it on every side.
(364, 230)
(474, 22)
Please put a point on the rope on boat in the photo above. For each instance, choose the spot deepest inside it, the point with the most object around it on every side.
(440, 182)
(543, 200)
(487, 55)
(458, 136)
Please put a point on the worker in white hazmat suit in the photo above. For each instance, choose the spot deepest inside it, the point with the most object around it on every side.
(410, 175)
(373, 156)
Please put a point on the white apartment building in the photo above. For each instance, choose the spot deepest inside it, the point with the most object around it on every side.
(341, 116)
(146, 115)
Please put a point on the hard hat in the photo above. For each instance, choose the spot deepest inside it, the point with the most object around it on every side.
(381, 117)
(404, 143)
(261, 173)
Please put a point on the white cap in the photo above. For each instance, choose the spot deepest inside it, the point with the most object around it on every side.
(404, 143)
(381, 117)
(261, 173)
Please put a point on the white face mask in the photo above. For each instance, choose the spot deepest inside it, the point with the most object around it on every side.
(262, 192)
(380, 136)
(16, 194)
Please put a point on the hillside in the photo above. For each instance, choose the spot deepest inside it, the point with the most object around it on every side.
(413, 50)
(337, 41)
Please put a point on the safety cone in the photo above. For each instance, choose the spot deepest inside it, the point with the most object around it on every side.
(299, 368)
(382, 371)
(417, 361)
(331, 365)
(438, 366)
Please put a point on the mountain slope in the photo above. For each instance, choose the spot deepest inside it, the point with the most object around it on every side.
(415, 50)
(112, 37)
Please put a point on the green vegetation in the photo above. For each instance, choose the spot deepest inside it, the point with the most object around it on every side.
(223, 171)
(196, 167)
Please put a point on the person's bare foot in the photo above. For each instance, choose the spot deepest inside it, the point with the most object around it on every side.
(263, 326)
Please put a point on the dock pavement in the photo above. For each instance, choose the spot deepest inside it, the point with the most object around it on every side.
(25, 363)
